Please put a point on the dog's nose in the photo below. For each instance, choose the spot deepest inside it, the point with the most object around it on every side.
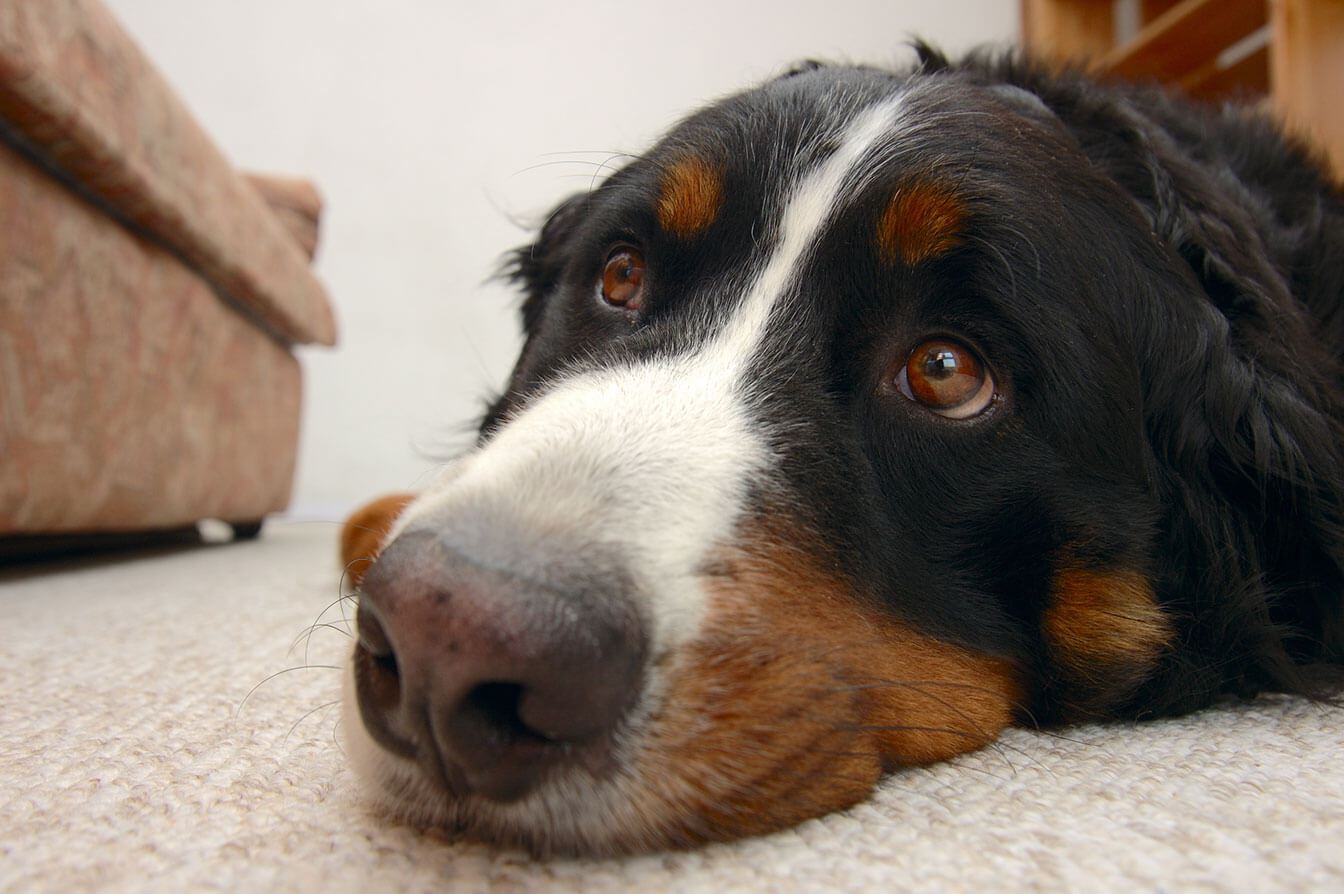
(489, 680)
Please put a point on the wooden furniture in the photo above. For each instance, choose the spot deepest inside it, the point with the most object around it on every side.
(150, 296)
(1290, 53)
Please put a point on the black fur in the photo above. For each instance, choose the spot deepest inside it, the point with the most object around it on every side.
(1161, 283)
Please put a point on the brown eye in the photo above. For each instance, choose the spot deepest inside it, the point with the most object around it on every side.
(623, 278)
(947, 378)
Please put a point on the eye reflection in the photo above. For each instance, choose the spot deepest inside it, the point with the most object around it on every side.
(948, 378)
(623, 278)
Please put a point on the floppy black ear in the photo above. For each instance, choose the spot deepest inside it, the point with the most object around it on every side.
(536, 268)
(1242, 394)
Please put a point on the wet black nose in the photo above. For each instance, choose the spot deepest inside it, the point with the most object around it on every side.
(488, 680)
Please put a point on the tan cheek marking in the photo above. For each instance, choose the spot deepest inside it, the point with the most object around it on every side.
(364, 531)
(799, 697)
(690, 198)
(920, 222)
(1106, 627)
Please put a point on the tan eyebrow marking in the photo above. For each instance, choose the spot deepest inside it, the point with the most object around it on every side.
(690, 198)
(921, 221)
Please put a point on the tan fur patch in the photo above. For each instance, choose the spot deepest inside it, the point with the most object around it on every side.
(799, 696)
(921, 221)
(690, 198)
(365, 530)
(1106, 626)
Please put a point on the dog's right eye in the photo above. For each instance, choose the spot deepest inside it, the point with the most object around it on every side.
(948, 378)
(623, 278)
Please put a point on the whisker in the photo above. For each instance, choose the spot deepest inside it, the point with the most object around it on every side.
(592, 184)
(340, 586)
(307, 636)
(318, 622)
(1021, 707)
(312, 628)
(239, 711)
(632, 155)
(335, 737)
(306, 715)
(558, 163)
(993, 743)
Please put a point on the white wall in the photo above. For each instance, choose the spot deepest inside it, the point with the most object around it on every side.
(429, 126)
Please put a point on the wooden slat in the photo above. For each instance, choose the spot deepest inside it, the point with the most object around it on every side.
(1151, 9)
(1185, 38)
(1307, 71)
(1247, 78)
(1068, 29)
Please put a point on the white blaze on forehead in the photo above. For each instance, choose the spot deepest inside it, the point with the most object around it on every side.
(811, 205)
(651, 461)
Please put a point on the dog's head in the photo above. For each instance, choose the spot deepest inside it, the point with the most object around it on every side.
(861, 417)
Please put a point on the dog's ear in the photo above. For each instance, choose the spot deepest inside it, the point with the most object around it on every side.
(536, 268)
(1271, 387)
(1241, 400)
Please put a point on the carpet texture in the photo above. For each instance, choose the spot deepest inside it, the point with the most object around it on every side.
(126, 763)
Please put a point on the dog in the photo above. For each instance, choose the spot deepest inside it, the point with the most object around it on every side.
(869, 413)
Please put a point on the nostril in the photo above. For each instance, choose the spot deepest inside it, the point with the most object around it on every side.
(501, 756)
(387, 664)
(382, 681)
(371, 634)
(493, 708)
(489, 681)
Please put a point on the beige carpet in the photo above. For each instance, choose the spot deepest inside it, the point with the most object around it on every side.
(123, 767)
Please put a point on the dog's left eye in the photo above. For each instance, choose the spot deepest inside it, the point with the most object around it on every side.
(948, 378)
(623, 278)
